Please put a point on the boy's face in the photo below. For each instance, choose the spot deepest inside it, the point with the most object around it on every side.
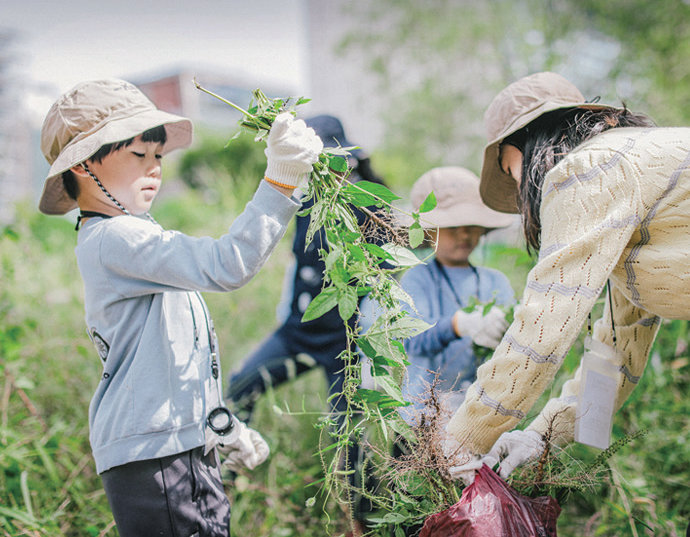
(132, 174)
(455, 244)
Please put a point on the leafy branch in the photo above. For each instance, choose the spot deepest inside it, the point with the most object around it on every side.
(355, 266)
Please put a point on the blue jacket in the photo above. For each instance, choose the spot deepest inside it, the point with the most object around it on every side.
(151, 327)
(438, 348)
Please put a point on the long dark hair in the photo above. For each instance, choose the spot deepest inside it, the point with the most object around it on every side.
(546, 140)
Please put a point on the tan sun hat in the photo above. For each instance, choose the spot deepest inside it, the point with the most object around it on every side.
(457, 200)
(513, 108)
(91, 115)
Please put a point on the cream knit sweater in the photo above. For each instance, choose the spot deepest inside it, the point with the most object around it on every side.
(617, 207)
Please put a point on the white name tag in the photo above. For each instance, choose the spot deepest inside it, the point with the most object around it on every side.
(597, 395)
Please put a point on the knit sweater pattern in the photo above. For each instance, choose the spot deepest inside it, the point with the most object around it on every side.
(616, 208)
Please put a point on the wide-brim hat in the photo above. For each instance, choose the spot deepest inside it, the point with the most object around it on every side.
(512, 109)
(91, 115)
(458, 202)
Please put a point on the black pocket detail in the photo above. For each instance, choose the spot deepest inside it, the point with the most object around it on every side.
(102, 346)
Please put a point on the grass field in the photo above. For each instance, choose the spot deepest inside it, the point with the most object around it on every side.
(48, 484)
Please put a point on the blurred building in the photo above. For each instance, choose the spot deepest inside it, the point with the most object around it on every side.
(16, 180)
(341, 84)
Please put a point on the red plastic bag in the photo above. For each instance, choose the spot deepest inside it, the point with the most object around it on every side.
(490, 508)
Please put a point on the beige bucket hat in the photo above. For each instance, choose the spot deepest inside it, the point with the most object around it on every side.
(91, 115)
(458, 202)
(513, 108)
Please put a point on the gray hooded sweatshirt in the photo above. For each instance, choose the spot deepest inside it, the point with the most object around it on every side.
(151, 327)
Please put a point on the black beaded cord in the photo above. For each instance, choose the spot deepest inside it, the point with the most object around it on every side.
(111, 198)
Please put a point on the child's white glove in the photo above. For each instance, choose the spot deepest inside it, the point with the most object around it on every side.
(513, 449)
(244, 448)
(485, 330)
(291, 149)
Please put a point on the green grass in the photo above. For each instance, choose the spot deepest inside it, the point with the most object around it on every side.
(48, 483)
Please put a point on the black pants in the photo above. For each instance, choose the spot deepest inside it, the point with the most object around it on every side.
(177, 496)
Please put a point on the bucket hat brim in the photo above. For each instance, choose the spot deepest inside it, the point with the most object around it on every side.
(458, 202)
(498, 189)
(464, 214)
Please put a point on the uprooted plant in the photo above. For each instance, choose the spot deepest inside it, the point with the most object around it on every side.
(355, 266)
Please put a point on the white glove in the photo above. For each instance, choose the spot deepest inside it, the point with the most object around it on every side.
(291, 149)
(485, 330)
(244, 448)
(513, 449)
(465, 471)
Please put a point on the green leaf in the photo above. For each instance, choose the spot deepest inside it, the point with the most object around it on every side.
(407, 326)
(356, 252)
(366, 193)
(379, 252)
(384, 346)
(400, 256)
(322, 303)
(338, 164)
(416, 235)
(347, 302)
(340, 276)
(373, 397)
(376, 189)
(428, 204)
(365, 347)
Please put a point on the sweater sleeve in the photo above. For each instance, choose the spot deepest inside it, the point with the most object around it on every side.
(635, 332)
(590, 209)
(144, 259)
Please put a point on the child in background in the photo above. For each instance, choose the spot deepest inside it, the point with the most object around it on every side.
(446, 284)
(158, 414)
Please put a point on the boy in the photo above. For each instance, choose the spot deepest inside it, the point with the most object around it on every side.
(157, 413)
(445, 285)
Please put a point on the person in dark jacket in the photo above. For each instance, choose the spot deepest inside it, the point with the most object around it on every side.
(295, 346)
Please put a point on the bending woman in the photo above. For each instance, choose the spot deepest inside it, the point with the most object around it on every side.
(605, 197)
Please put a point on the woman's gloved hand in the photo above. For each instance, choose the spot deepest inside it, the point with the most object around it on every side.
(485, 330)
(463, 465)
(291, 150)
(513, 449)
(244, 448)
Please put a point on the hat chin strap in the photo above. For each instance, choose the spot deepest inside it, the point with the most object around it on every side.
(111, 197)
(100, 185)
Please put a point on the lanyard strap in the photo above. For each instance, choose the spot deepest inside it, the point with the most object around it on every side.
(613, 324)
(445, 276)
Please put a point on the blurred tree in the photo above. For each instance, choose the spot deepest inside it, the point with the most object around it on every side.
(213, 160)
(655, 51)
(440, 62)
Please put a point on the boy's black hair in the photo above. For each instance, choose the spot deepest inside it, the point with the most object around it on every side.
(156, 134)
